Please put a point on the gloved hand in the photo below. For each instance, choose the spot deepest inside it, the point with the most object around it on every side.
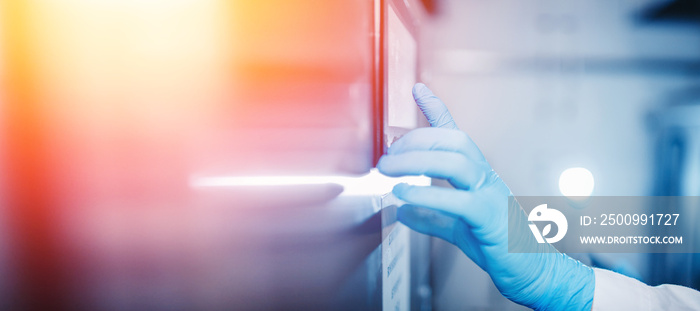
(474, 215)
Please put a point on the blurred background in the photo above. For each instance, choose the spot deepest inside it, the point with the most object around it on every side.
(213, 154)
(543, 86)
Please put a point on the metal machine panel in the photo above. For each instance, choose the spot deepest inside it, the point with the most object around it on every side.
(185, 155)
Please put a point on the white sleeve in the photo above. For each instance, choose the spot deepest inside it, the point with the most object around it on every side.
(615, 291)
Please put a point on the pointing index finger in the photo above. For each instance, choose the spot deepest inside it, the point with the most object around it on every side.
(432, 107)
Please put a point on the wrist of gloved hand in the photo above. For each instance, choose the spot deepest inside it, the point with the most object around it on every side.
(560, 283)
(546, 279)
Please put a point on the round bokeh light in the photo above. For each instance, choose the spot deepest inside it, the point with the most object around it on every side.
(576, 182)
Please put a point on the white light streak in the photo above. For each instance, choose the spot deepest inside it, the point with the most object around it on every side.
(372, 183)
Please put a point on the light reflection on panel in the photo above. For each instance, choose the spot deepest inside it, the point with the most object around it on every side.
(402, 72)
(370, 184)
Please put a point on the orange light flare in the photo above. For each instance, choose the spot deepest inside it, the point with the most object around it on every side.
(103, 105)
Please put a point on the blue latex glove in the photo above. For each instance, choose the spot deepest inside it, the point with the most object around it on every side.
(474, 215)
